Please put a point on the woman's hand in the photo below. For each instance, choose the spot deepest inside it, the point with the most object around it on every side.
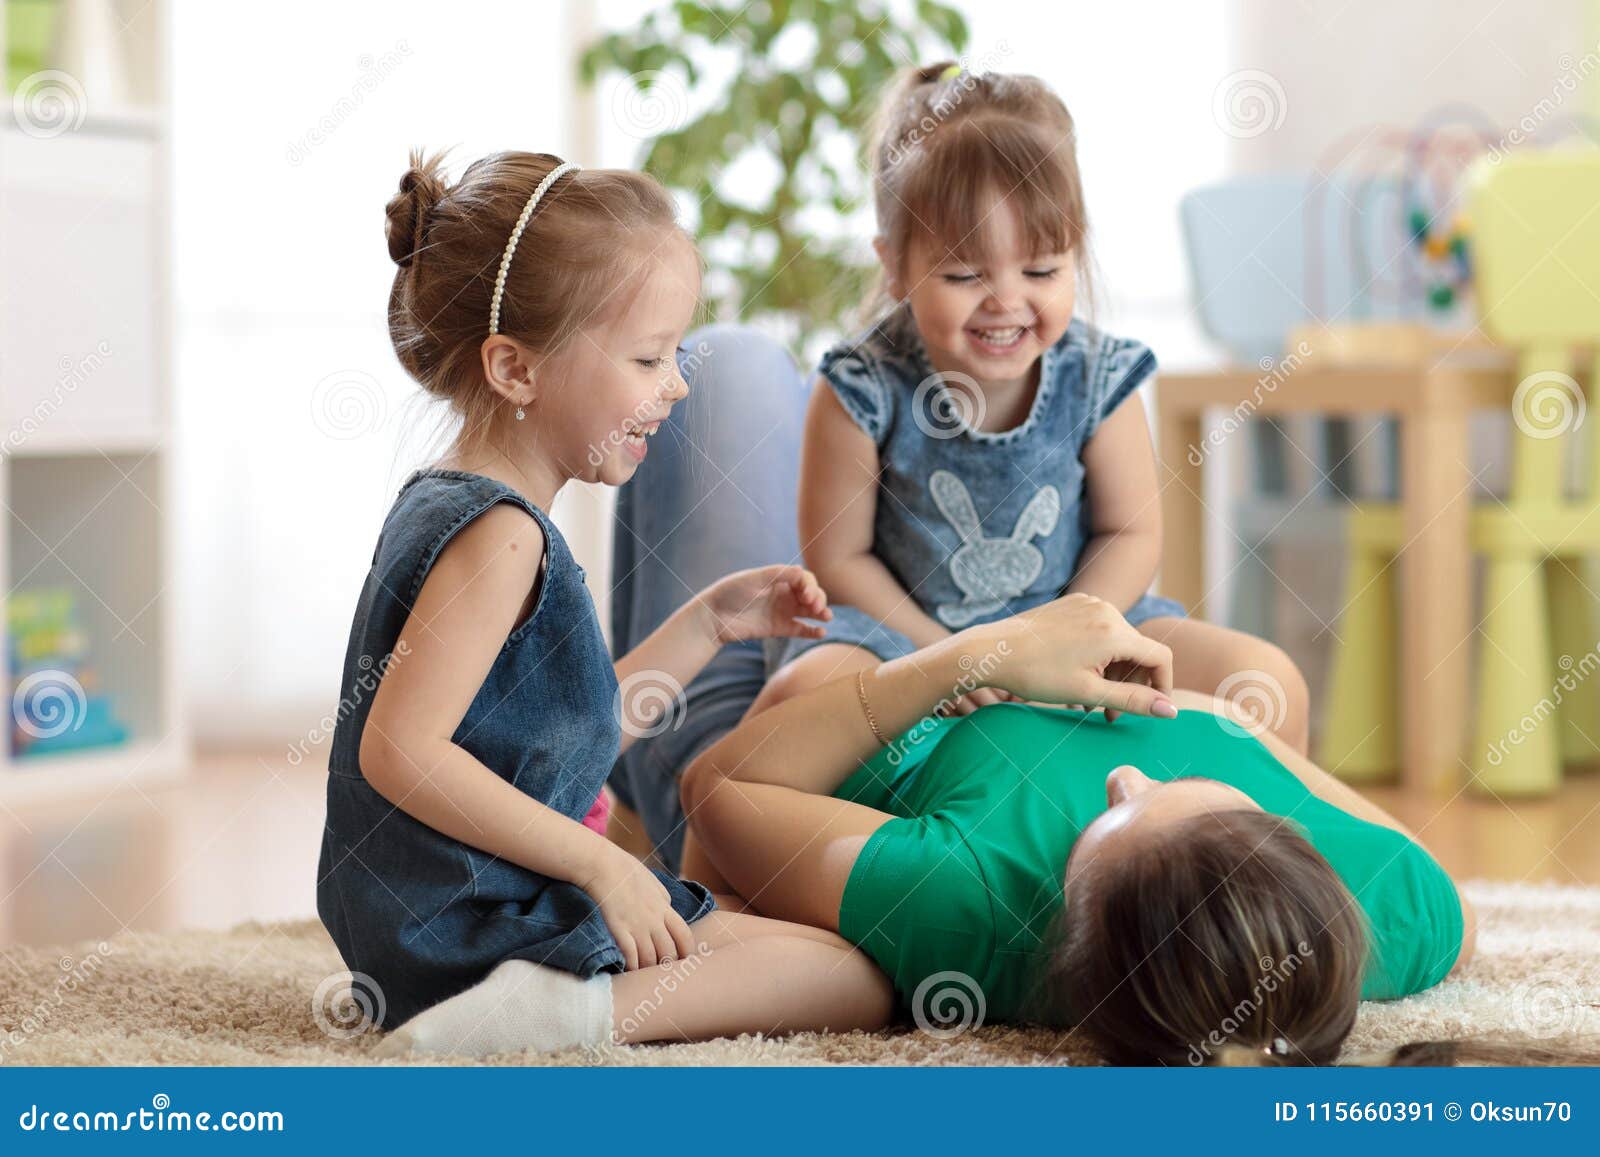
(638, 909)
(1076, 649)
(974, 699)
(763, 602)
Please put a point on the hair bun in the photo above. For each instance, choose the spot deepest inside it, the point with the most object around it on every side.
(406, 216)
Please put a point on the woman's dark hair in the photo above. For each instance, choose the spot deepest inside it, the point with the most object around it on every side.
(1234, 943)
(1234, 931)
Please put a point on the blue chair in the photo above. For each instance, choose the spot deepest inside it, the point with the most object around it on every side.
(1248, 242)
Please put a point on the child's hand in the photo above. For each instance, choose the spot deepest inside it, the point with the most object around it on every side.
(638, 909)
(763, 602)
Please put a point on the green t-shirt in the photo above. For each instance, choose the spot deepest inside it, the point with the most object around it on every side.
(968, 877)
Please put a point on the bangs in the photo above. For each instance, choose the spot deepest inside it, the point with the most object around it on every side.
(956, 184)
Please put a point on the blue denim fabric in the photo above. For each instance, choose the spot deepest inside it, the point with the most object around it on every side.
(978, 526)
(849, 625)
(421, 913)
(716, 494)
(856, 628)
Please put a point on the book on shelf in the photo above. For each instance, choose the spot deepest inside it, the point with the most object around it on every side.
(57, 703)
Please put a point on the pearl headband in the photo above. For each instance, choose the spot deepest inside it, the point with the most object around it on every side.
(516, 235)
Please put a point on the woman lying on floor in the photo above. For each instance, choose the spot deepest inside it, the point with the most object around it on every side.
(1180, 890)
(1171, 886)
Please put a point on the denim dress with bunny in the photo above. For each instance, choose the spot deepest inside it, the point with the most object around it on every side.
(423, 915)
(976, 526)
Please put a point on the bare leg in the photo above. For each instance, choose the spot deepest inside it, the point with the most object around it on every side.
(752, 975)
(1255, 676)
(748, 974)
(697, 866)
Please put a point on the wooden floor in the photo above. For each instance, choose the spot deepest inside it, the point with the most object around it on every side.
(239, 840)
(1555, 838)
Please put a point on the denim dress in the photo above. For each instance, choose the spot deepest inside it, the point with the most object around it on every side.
(976, 526)
(424, 915)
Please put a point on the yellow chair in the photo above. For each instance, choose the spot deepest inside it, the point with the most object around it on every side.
(1360, 740)
(1536, 239)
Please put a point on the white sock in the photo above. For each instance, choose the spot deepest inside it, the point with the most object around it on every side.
(518, 1006)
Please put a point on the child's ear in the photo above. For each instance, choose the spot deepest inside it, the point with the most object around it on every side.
(891, 269)
(508, 368)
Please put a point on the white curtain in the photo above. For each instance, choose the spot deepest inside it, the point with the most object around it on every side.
(296, 424)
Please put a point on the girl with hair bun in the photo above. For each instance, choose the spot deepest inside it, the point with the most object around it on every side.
(546, 305)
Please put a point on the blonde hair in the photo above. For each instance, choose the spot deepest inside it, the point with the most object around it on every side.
(944, 143)
(576, 263)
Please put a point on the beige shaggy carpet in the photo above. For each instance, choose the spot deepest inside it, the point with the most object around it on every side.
(276, 994)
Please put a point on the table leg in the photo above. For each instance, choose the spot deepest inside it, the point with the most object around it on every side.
(1182, 469)
(1436, 570)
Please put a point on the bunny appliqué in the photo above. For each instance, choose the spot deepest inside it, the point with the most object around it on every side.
(990, 571)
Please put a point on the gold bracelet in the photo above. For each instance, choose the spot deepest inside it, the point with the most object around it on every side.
(866, 708)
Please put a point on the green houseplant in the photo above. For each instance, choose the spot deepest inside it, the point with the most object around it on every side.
(781, 89)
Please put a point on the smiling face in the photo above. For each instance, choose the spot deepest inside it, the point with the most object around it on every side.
(617, 380)
(987, 310)
(1141, 810)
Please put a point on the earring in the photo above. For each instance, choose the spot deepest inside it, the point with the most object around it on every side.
(520, 414)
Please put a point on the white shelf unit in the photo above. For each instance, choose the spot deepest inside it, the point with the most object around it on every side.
(86, 423)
